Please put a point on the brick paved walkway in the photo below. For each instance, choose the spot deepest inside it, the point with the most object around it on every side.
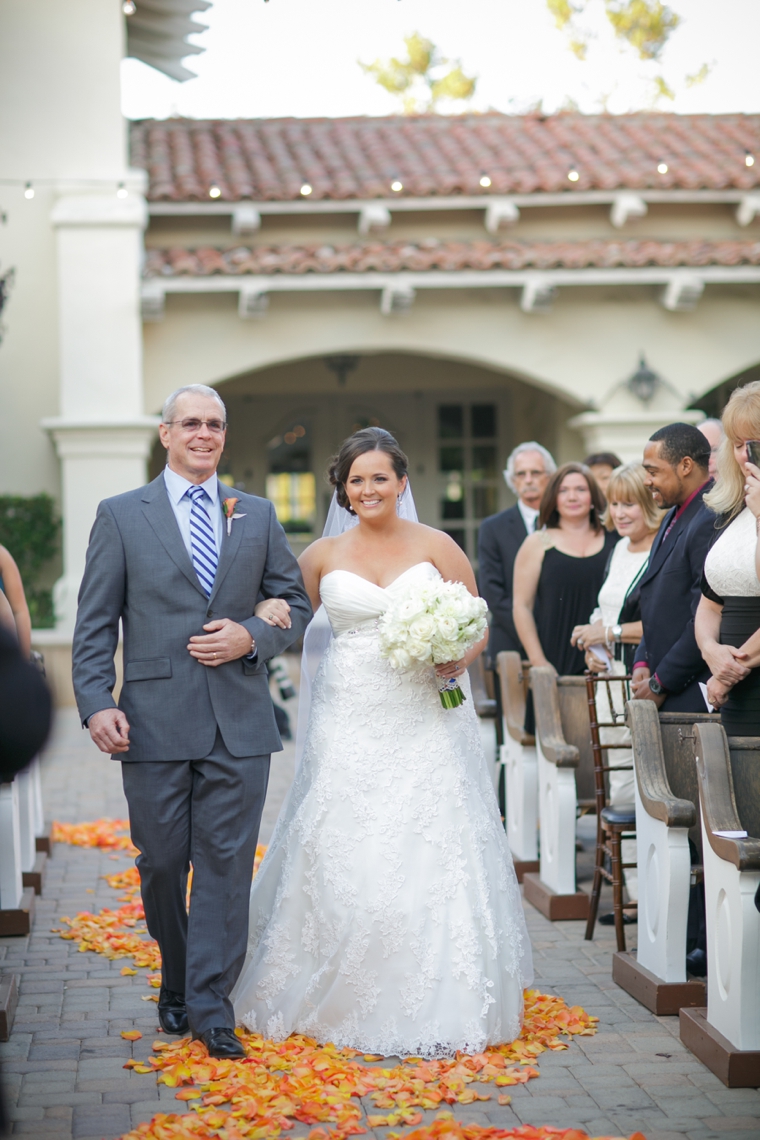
(63, 1067)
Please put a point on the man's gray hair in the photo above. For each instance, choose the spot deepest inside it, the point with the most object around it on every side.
(716, 423)
(170, 407)
(547, 457)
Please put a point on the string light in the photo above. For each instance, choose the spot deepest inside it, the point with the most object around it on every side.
(214, 192)
(29, 191)
(573, 175)
(485, 181)
(749, 158)
(121, 191)
(662, 168)
(397, 186)
(129, 7)
(306, 190)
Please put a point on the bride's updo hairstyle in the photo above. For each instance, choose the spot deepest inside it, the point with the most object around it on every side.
(368, 439)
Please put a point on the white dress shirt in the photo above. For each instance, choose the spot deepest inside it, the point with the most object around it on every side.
(177, 488)
(529, 516)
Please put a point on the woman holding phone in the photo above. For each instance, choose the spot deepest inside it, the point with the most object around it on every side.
(727, 625)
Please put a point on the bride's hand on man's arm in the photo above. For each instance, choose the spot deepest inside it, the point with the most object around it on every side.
(274, 611)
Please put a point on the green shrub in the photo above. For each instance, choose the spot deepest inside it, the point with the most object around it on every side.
(29, 528)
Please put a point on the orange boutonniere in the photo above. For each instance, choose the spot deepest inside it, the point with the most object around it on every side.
(228, 506)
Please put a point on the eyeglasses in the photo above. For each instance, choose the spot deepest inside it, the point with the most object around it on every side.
(193, 425)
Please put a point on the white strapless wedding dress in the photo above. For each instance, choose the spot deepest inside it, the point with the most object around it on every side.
(386, 915)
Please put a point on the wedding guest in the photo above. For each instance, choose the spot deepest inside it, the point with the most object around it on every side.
(615, 629)
(728, 619)
(602, 464)
(13, 588)
(527, 473)
(559, 570)
(712, 430)
(669, 666)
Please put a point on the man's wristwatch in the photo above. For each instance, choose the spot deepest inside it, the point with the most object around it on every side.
(617, 632)
(658, 689)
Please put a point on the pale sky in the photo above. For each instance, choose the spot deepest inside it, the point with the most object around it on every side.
(299, 57)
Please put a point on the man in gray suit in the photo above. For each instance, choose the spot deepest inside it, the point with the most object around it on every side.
(187, 572)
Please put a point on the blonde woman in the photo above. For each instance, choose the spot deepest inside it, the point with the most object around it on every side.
(615, 629)
(727, 625)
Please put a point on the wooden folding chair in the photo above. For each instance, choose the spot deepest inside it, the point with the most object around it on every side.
(612, 821)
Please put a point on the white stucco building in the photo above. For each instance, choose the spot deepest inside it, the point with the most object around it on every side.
(468, 282)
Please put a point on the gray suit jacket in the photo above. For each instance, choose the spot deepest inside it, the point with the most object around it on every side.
(138, 570)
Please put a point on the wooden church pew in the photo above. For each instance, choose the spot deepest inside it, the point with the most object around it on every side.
(565, 783)
(726, 1035)
(667, 816)
(518, 758)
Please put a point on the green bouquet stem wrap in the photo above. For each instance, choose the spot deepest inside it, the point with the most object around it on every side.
(450, 693)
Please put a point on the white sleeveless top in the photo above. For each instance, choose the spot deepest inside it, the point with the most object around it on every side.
(730, 563)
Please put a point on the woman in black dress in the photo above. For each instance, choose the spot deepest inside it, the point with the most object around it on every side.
(559, 570)
(727, 625)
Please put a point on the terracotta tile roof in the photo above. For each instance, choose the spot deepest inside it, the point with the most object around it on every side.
(270, 159)
(392, 257)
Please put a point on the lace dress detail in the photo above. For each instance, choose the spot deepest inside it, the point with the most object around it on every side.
(386, 915)
(730, 563)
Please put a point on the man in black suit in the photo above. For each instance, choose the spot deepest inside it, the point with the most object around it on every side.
(501, 536)
(668, 664)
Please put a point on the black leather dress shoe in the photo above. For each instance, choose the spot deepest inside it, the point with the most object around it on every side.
(696, 963)
(608, 919)
(172, 1013)
(222, 1043)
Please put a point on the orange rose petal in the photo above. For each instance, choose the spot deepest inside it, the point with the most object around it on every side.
(131, 1034)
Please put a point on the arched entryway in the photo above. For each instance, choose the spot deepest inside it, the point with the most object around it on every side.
(714, 401)
(456, 421)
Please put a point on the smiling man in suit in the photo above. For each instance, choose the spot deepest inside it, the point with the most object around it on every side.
(194, 727)
(668, 664)
(501, 536)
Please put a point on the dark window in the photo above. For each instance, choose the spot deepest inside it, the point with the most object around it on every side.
(483, 421)
(452, 510)
(483, 463)
(485, 501)
(458, 536)
(451, 421)
(451, 459)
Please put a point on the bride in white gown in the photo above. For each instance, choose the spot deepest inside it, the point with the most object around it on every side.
(386, 915)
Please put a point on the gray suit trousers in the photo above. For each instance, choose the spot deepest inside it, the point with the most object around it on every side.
(205, 812)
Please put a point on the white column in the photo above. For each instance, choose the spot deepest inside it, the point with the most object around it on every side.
(97, 460)
(102, 438)
(623, 423)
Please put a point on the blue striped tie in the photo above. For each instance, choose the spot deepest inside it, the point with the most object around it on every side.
(202, 540)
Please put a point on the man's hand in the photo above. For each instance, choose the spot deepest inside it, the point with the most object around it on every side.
(641, 690)
(726, 663)
(109, 728)
(224, 641)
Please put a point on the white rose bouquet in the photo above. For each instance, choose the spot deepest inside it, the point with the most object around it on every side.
(431, 624)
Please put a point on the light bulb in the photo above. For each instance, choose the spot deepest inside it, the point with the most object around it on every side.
(485, 181)
(129, 7)
(306, 190)
(214, 192)
(397, 186)
(121, 191)
(749, 159)
(573, 175)
(662, 168)
(29, 190)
